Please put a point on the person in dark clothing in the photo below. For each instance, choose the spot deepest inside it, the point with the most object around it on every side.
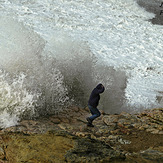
(93, 103)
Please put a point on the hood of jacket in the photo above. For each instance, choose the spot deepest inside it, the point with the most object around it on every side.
(99, 86)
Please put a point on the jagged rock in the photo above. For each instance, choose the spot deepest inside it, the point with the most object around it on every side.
(90, 150)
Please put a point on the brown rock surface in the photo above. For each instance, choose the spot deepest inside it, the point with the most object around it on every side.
(66, 138)
(36, 148)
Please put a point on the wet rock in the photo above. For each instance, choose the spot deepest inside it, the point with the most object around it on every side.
(82, 128)
(80, 134)
(98, 134)
(151, 121)
(49, 147)
(75, 109)
(159, 148)
(110, 119)
(122, 141)
(126, 132)
(65, 120)
(55, 120)
(152, 130)
(103, 130)
(65, 127)
(87, 109)
(56, 146)
(115, 132)
(2, 153)
(152, 155)
(90, 150)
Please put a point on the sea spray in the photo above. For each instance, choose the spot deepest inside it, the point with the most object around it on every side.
(76, 62)
(15, 100)
(113, 100)
(36, 81)
(40, 78)
(30, 81)
(82, 71)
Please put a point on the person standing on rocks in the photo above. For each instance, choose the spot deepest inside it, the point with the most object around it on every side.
(93, 103)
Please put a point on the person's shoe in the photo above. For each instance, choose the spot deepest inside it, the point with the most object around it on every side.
(90, 125)
(88, 119)
(89, 122)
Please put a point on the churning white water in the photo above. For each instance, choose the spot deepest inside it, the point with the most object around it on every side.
(54, 52)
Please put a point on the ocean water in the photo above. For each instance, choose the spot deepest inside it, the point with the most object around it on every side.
(54, 52)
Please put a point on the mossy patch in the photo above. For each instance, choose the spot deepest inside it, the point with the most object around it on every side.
(41, 148)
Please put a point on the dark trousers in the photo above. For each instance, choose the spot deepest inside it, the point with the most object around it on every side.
(95, 113)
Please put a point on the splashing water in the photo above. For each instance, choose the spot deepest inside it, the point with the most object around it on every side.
(36, 81)
(53, 53)
(30, 84)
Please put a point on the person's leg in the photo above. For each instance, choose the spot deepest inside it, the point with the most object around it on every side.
(95, 113)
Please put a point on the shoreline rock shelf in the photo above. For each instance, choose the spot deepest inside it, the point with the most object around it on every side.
(66, 138)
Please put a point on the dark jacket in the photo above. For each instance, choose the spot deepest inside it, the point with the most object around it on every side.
(95, 97)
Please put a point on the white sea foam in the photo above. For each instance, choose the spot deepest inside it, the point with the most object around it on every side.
(15, 100)
(30, 83)
(7, 120)
(115, 33)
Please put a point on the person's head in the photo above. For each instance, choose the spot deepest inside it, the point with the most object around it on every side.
(99, 86)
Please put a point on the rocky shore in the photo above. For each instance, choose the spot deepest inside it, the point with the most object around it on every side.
(66, 138)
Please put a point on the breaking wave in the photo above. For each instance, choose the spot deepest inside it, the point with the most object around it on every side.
(39, 78)
(30, 83)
